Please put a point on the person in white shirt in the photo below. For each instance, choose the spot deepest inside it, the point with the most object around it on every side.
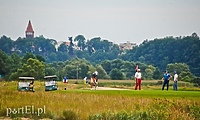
(175, 85)
(138, 79)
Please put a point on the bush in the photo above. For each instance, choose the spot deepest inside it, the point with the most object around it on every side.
(196, 81)
(69, 115)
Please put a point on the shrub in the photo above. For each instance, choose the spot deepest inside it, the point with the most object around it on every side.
(69, 115)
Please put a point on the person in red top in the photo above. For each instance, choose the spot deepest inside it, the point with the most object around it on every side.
(138, 79)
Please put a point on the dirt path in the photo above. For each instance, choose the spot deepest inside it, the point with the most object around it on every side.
(108, 88)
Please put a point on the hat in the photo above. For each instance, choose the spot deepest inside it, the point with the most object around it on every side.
(138, 69)
(174, 72)
(96, 72)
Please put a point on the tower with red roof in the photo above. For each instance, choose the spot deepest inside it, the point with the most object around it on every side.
(29, 31)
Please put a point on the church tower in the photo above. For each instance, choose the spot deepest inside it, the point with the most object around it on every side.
(29, 31)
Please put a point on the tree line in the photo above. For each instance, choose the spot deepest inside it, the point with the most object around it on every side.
(14, 66)
(158, 53)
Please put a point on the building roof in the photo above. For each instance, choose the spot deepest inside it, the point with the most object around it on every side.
(29, 27)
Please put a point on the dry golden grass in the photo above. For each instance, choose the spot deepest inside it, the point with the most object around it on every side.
(84, 104)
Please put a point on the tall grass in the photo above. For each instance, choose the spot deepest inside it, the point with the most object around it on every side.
(87, 104)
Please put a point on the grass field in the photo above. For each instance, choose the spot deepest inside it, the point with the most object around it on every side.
(81, 103)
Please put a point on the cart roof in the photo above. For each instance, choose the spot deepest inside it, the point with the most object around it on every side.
(26, 78)
(51, 76)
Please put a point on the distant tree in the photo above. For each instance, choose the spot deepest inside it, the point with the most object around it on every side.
(50, 71)
(157, 75)
(6, 44)
(71, 50)
(117, 63)
(128, 68)
(32, 67)
(83, 70)
(27, 56)
(196, 81)
(63, 47)
(116, 74)
(81, 41)
(40, 58)
(4, 60)
(101, 72)
(150, 71)
(106, 64)
(182, 69)
(195, 35)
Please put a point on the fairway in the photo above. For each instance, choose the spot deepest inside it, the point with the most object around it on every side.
(144, 93)
(79, 102)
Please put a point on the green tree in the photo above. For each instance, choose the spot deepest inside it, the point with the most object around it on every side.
(128, 68)
(6, 44)
(32, 67)
(4, 60)
(27, 56)
(116, 74)
(63, 47)
(182, 69)
(150, 71)
(71, 49)
(106, 64)
(40, 58)
(101, 72)
(81, 41)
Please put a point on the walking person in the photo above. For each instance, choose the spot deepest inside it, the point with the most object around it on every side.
(166, 78)
(175, 85)
(138, 79)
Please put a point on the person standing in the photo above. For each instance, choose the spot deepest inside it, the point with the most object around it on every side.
(94, 80)
(65, 80)
(138, 79)
(166, 78)
(85, 80)
(175, 85)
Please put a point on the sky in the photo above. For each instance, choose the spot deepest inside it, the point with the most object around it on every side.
(118, 21)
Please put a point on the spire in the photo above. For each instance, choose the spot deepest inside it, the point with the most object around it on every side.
(29, 28)
(29, 31)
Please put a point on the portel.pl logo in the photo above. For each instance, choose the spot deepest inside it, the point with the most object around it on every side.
(29, 109)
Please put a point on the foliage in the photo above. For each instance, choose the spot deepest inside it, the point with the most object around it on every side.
(154, 56)
(160, 52)
(68, 115)
(32, 67)
(182, 69)
(196, 81)
(116, 74)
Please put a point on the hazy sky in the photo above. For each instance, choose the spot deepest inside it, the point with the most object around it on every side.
(115, 20)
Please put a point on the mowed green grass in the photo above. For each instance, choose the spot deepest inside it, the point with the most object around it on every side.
(142, 93)
(85, 102)
(82, 88)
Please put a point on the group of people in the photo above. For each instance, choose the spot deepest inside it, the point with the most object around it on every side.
(93, 82)
(138, 80)
(166, 78)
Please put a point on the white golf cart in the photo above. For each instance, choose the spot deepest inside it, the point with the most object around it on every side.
(50, 83)
(25, 84)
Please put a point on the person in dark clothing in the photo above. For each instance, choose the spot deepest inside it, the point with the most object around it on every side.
(166, 78)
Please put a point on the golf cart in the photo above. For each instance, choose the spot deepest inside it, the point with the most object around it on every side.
(50, 83)
(26, 84)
